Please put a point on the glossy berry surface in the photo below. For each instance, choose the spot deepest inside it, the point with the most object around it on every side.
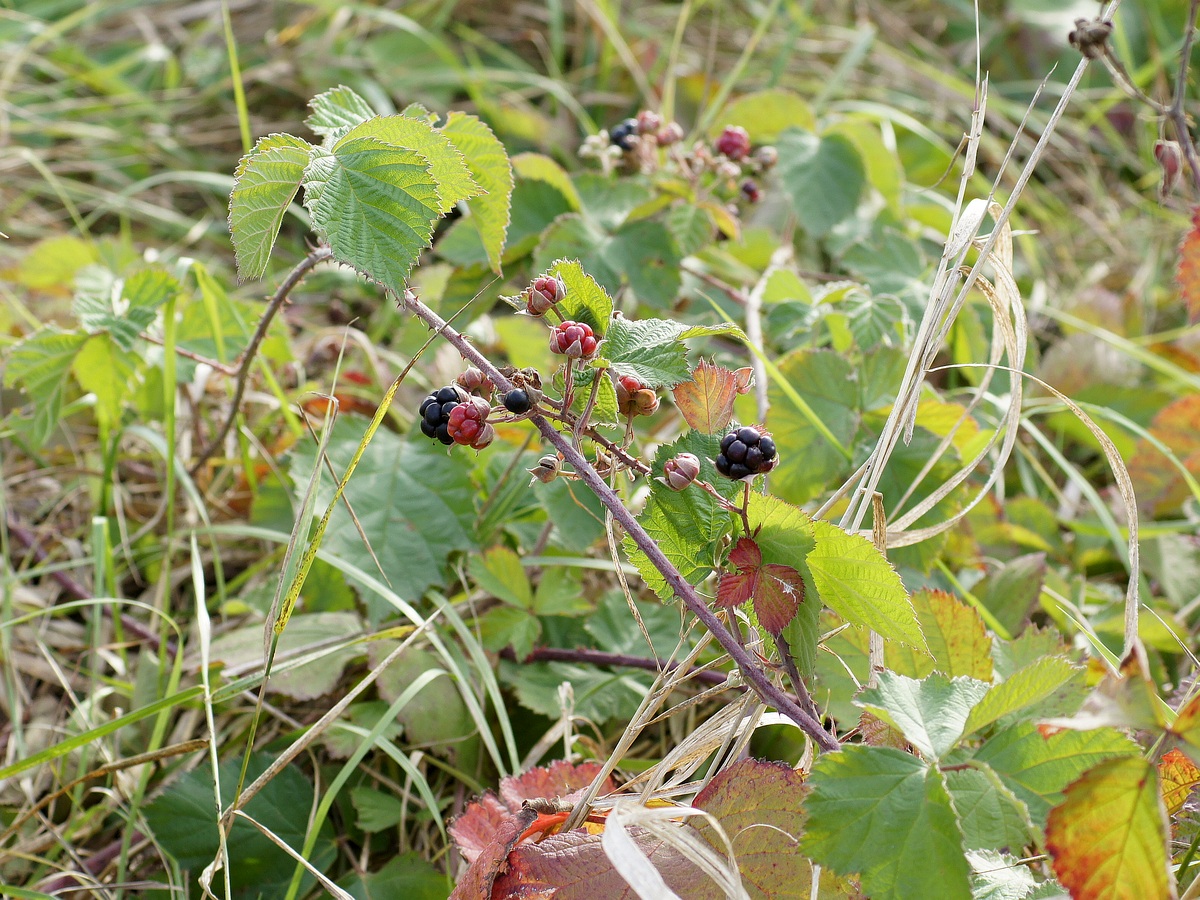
(625, 134)
(517, 401)
(734, 142)
(575, 340)
(467, 424)
(746, 452)
(436, 409)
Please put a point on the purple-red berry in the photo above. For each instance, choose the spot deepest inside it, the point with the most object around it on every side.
(734, 142)
(467, 424)
(648, 122)
(575, 340)
(750, 190)
(543, 294)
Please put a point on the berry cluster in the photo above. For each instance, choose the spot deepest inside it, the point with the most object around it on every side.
(574, 340)
(453, 416)
(746, 452)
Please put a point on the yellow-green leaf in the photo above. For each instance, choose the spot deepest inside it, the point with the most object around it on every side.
(1108, 838)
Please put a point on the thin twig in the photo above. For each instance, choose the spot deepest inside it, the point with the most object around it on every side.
(751, 671)
(1176, 111)
(315, 257)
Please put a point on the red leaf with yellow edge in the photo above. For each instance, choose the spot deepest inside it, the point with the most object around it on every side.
(775, 590)
(1108, 838)
(1177, 776)
(1188, 273)
(706, 402)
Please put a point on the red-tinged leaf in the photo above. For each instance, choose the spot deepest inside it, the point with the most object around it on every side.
(745, 554)
(780, 593)
(559, 781)
(706, 402)
(1188, 273)
(775, 590)
(1177, 776)
(480, 877)
(1108, 838)
(1159, 485)
(490, 827)
(736, 588)
(759, 806)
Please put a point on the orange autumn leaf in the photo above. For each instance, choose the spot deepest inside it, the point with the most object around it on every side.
(1108, 838)
(1187, 276)
(1159, 485)
(706, 402)
(1177, 775)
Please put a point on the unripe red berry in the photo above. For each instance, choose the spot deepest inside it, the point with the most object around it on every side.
(680, 471)
(575, 340)
(468, 425)
(734, 142)
(635, 397)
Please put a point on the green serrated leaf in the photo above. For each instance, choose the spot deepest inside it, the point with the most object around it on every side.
(38, 365)
(989, 814)
(930, 713)
(109, 371)
(1000, 876)
(414, 504)
(408, 875)
(823, 177)
(856, 580)
(558, 593)
(536, 167)
(489, 165)
(509, 626)
(691, 226)
(376, 203)
(724, 329)
(446, 164)
(896, 805)
(264, 185)
(1028, 687)
(499, 572)
(809, 463)
(649, 349)
(955, 635)
(687, 525)
(336, 111)
(784, 535)
(184, 825)
(102, 304)
(585, 301)
(1037, 768)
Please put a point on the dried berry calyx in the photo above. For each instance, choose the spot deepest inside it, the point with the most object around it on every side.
(546, 470)
(734, 143)
(467, 424)
(517, 401)
(436, 410)
(575, 340)
(746, 452)
(635, 397)
(680, 471)
(475, 382)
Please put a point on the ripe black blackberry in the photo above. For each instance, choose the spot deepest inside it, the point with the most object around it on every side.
(517, 401)
(435, 412)
(625, 134)
(746, 452)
